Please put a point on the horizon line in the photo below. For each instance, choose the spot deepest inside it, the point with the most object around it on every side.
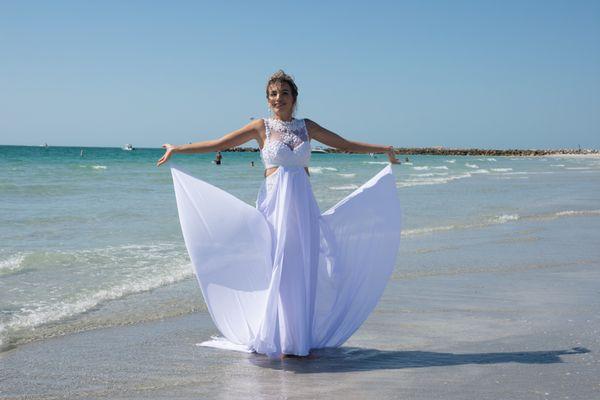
(575, 149)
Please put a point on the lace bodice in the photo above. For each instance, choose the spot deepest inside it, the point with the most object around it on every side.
(287, 143)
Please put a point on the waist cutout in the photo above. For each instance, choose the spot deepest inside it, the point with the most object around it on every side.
(273, 169)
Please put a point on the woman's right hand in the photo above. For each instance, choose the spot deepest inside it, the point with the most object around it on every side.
(392, 155)
(168, 153)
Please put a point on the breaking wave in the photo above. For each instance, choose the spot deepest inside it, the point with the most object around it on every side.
(499, 219)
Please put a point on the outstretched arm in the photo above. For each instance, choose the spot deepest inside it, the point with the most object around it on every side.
(232, 139)
(332, 139)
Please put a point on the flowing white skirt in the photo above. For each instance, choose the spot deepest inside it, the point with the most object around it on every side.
(282, 277)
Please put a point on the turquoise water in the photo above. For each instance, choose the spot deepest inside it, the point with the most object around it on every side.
(95, 240)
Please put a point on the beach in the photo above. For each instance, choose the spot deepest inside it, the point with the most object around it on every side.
(495, 294)
(522, 331)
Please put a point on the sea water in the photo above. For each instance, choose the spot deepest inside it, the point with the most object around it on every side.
(93, 240)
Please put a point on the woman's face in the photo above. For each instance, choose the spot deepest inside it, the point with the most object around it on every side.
(280, 99)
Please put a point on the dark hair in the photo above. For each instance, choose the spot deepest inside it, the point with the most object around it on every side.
(281, 77)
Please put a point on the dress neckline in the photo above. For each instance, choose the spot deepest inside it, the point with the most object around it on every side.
(283, 121)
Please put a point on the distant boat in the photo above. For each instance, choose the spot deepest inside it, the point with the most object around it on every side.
(318, 149)
(44, 145)
(128, 147)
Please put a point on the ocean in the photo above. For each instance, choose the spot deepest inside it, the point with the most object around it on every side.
(94, 241)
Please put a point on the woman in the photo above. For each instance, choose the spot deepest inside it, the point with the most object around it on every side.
(283, 278)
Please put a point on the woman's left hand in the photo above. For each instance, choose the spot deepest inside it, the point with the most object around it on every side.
(169, 149)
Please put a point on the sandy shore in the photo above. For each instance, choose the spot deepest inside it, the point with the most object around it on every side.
(498, 348)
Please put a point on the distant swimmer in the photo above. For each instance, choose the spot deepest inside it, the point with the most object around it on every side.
(406, 159)
(252, 163)
(81, 153)
(218, 158)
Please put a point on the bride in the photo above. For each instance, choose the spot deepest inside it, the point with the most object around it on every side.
(283, 278)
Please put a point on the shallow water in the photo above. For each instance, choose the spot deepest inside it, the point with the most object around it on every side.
(94, 241)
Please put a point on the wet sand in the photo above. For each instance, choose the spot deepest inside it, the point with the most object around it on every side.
(492, 349)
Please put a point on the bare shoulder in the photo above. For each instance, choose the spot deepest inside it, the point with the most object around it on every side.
(256, 128)
(257, 124)
(310, 123)
(324, 135)
(312, 126)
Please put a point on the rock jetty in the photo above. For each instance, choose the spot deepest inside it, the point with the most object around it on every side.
(443, 151)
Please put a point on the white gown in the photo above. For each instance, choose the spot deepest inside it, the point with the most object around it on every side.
(282, 277)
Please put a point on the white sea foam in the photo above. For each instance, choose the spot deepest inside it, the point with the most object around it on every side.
(563, 214)
(557, 165)
(578, 168)
(498, 219)
(319, 170)
(344, 187)
(430, 181)
(571, 213)
(501, 219)
(408, 163)
(425, 168)
(347, 175)
(495, 220)
(43, 313)
(475, 166)
(428, 174)
(501, 169)
(442, 167)
(93, 166)
(450, 161)
(512, 177)
(424, 231)
(480, 171)
(12, 263)
(375, 162)
(129, 269)
(528, 173)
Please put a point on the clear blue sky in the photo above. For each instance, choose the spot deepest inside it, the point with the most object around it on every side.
(493, 74)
